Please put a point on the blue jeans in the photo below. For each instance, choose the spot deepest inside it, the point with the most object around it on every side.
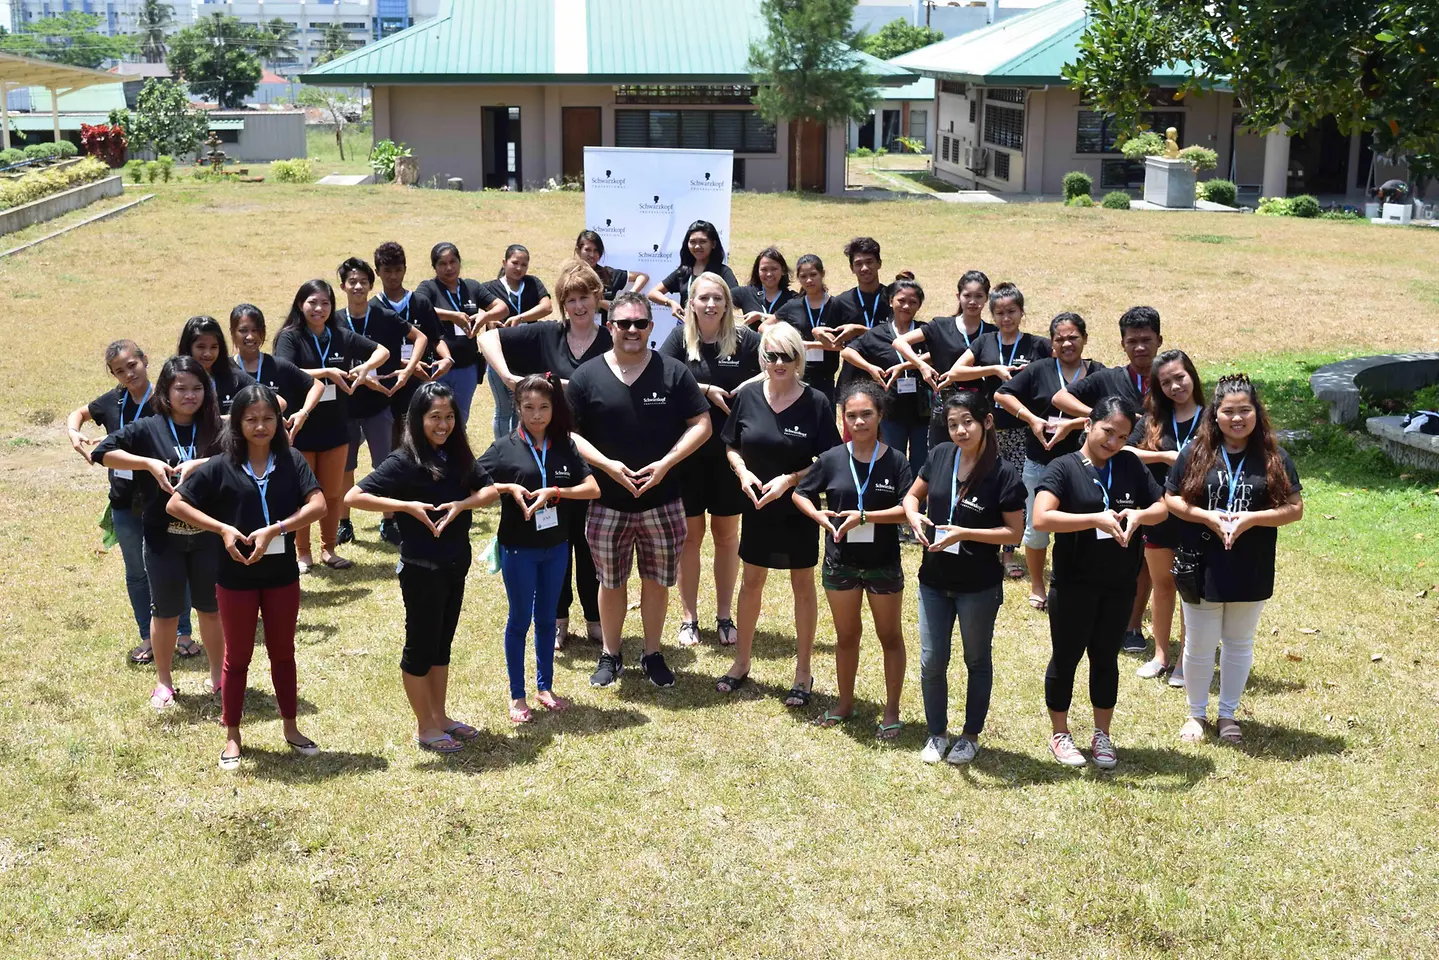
(976, 612)
(131, 534)
(533, 577)
(910, 439)
(504, 406)
(464, 381)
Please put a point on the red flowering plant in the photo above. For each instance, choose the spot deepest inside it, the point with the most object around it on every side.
(104, 141)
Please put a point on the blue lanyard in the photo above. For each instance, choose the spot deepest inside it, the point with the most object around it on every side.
(1060, 370)
(1235, 472)
(183, 452)
(1107, 474)
(954, 487)
(259, 374)
(1013, 350)
(324, 354)
(968, 340)
(365, 320)
(871, 311)
(769, 305)
(1188, 434)
(810, 310)
(542, 457)
(149, 389)
(516, 298)
(854, 474)
(459, 290)
(1139, 382)
(402, 308)
(263, 485)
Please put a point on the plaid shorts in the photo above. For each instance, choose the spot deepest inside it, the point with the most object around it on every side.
(614, 535)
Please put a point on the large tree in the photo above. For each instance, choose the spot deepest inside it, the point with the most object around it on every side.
(806, 68)
(217, 60)
(1370, 65)
(275, 41)
(164, 121)
(152, 24)
(897, 37)
(71, 38)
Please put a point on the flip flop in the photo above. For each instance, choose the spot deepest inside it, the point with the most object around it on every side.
(443, 744)
(142, 655)
(888, 731)
(1039, 603)
(831, 720)
(560, 704)
(462, 731)
(729, 684)
(304, 565)
(162, 697)
(338, 563)
(521, 716)
(187, 647)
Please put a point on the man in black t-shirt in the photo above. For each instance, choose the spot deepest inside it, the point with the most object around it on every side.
(637, 414)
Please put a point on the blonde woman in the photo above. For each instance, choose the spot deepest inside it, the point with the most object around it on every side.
(721, 355)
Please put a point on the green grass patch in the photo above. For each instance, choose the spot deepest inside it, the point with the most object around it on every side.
(926, 179)
(1205, 238)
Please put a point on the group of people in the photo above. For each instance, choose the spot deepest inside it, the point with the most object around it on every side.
(774, 419)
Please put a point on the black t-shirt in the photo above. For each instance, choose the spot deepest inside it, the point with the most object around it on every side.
(1112, 382)
(532, 291)
(834, 314)
(151, 437)
(509, 460)
(679, 280)
(225, 490)
(328, 426)
(831, 476)
(544, 347)
(228, 380)
(909, 406)
(470, 297)
(725, 372)
(988, 351)
(618, 282)
(112, 410)
(870, 309)
(946, 340)
(976, 566)
(1167, 440)
(1081, 558)
(748, 299)
(1035, 386)
(1245, 572)
(383, 326)
(284, 378)
(785, 442)
(415, 309)
(635, 424)
(400, 478)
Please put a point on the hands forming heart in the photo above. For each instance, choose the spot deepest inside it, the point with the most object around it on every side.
(719, 396)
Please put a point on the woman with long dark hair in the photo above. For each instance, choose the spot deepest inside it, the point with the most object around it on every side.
(906, 418)
(299, 393)
(525, 300)
(431, 484)
(161, 451)
(253, 494)
(935, 346)
(1234, 486)
(316, 342)
(965, 503)
(702, 253)
(540, 477)
(816, 316)
(590, 247)
(203, 339)
(768, 289)
(466, 308)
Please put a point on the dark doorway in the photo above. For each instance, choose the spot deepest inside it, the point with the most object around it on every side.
(1319, 160)
(891, 132)
(810, 138)
(866, 135)
(501, 138)
(580, 128)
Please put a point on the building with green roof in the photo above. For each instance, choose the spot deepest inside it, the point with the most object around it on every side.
(508, 93)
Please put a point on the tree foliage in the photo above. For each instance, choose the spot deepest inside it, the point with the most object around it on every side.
(337, 103)
(897, 37)
(275, 41)
(72, 38)
(216, 57)
(334, 43)
(163, 120)
(152, 24)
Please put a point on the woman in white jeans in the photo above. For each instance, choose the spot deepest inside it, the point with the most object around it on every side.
(1235, 487)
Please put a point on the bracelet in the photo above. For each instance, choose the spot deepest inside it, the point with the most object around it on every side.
(281, 525)
(861, 518)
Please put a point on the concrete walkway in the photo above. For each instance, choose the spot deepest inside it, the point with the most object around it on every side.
(347, 179)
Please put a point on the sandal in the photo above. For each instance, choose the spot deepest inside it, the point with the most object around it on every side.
(441, 744)
(1194, 730)
(462, 731)
(209, 687)
(521, 715)
(1229, 730)
(1014, 570)
(689, 635)
(554, 704)
(729, 684)
(142, 655)
(1039, 603)
(799, 695)
(187, 647)
(338, 563)
(831, 720)
(728, 633)
(162, 697)
(888, 731)
(304, 566)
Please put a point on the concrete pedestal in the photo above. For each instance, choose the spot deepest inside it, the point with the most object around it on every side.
(1169, 183)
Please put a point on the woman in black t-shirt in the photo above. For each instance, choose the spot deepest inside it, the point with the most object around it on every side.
(776, 428)
(816, 316)
(702, 253)
(863, 483)
(466, 308)
(259, 484)
(590, 247)
(1172, 408)
(973, 503)
(525, 300)
(202, 339)
(721, 355)
(1234, 486)
(906, 418)
(1094, 501)
(431, 484)
(935, 346)
(540, 477)
(298, 392)
(768, 289)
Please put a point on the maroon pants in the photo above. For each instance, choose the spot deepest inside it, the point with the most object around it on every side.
(239, 611)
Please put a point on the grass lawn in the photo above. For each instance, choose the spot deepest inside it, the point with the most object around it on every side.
(677, 823)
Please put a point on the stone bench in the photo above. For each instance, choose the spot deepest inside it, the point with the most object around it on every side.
(1405, 449)
(1341, 384)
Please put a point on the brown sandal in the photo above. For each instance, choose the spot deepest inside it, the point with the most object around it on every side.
(1229, 730)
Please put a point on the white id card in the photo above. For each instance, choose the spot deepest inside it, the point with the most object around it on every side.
(864, 533)
(1054, 422)
(329, 393)
(953, 548)
(907, 385)
(276, 546)
(813, 354)
(1101, 535)
(547, 517)
(407, 350)
(461, 331)
(124, 474)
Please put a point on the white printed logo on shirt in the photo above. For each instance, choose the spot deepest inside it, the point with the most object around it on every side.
(795, 432)
(655, 400)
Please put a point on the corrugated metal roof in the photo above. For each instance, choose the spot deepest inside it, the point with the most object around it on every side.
(921, 89)
(103, 98)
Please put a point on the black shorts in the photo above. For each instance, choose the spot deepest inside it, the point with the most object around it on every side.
(779, 537)
(183, 560)
(1163, 536)
(876, 580)
(708, 485)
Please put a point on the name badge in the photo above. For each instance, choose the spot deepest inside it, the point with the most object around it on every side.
(907, 385)
(953, 547)
(813, 353)
(461, 331)
(547, 517)
(864, 533)
(124, 474)
(329, 393)
(276, 546)
(1054, 422)
(407, 350)
(1102, 535)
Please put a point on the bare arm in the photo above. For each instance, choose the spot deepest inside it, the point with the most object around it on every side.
(1070, 404)
(78, 441)
(494, 353)
(538, 312)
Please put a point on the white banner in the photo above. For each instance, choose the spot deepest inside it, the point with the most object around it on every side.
(640, 201)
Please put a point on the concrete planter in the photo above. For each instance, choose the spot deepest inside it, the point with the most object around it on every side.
(1169, 183)
(57, 204)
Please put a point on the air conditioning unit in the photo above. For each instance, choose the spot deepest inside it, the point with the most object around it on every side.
(969, 158)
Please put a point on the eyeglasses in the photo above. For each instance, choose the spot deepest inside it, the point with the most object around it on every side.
(636, 324)
(769, 357)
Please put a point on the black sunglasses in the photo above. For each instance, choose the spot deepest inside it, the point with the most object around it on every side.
(636, 324)
(769, 357)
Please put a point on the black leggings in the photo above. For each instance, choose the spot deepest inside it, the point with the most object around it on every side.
(1092, 620)
(433, 595)
(581, 565)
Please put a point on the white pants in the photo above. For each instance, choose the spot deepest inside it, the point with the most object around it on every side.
(1206, 624)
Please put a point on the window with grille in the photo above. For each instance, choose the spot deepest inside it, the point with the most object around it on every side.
(743, 131)
(676, 93)
(1004, 126)
(973, 110)
(1001, 165)
(1005, 94)
(954, 87)
(1096, 132)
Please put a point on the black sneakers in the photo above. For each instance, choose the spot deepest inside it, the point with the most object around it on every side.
(607, 673)
(346, 532)
(657, 670)
(390, 532)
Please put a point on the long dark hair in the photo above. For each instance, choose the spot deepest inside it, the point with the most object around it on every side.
(207, 418)
(510, 251)
(197, 327)
(1158, 408)
(605, 274)
(458, 456)
(295, 320)
(979, 407)
(234, 443)
(768, 253)
(717, 254)
(547, 385)
(1210, 438)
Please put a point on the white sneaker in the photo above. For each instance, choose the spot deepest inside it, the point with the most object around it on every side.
(1153, 668)
(1176, 679)
(1103, 750)
(963, 752)
(934, 749)
(1064, 750)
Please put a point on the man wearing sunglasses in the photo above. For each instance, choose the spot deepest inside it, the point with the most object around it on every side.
(637, 414)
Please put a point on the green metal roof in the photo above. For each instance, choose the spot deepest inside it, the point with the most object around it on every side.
(921, 89)
(44, 122)
(102, 98)
(571, 41)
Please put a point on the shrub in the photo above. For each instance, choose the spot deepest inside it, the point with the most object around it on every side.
(152, 171)
(1200, 158)
(105, 141)
(1273, 207)
(10, 157)
(42, 183)
(37, 151)
(167, 168)
(1349, 215)
(1221, 191)
(1083, 200)
(136, 170)
(298, 170)
(1077, 184)
(1147, 144)
(1115, 200)
(1305, 206)
(383, 156)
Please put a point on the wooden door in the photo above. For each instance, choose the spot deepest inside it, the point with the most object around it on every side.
(581, 128)
(810, 138)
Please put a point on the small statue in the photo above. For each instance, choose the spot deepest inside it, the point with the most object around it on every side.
(1171, 144)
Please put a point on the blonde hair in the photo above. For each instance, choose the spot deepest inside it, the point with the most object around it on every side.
(576, 276)
(728, 335)
(783, 338)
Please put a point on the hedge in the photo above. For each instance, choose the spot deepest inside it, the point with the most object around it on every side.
(1115, 200)
(1077, 184)
(42, 183)
(299, 170)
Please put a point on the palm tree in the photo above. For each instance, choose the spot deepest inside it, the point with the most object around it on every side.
(334, 42)
(274, 42)
(152, 22)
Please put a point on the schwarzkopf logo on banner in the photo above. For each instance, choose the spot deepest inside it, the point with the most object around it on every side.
(654, 253)
(608, 181)
(708, 183)
(656, 207)
(609, 229)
